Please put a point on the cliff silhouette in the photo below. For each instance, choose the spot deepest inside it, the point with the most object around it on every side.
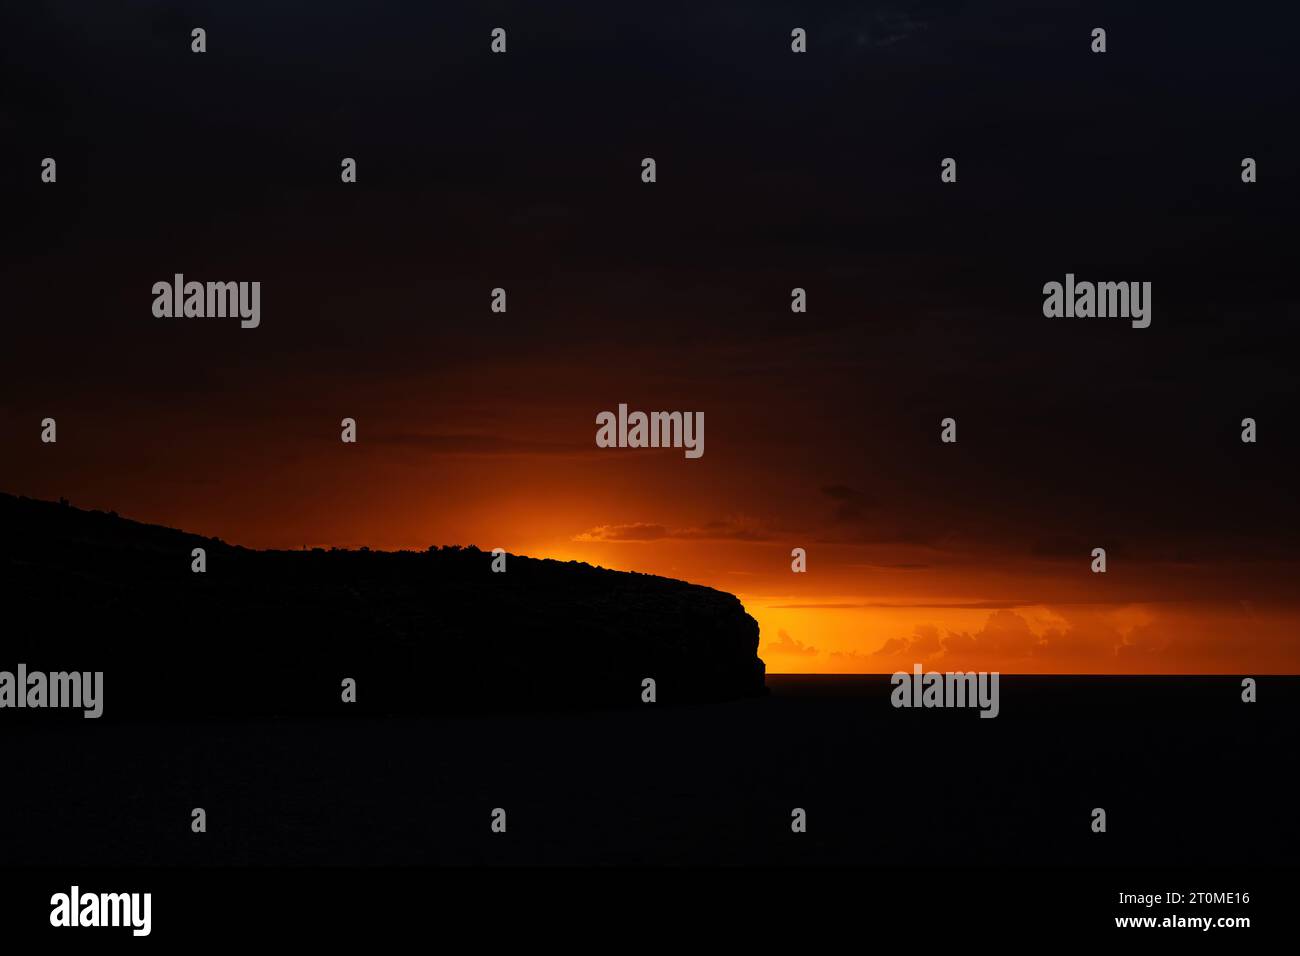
(277, 632)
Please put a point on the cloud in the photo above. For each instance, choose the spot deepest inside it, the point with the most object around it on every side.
(839, 492)
(850, 661)
(1090, 638)
(965, 606)
(734, 529)
(889, 28)
(819, 607)
(1005, 638)
(637, 531)
(850, 504)
(880, 27)
(789, 647)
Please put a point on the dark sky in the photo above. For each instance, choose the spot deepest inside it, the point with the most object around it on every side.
(775, 170)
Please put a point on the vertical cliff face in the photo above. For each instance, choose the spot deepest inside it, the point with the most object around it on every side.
(278, 631)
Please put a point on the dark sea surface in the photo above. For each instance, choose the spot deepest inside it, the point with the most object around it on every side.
(1187, 773)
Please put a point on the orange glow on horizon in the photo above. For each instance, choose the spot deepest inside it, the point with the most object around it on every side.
(866, 604)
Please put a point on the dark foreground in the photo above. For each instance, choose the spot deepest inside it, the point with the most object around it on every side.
(1187, 774)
